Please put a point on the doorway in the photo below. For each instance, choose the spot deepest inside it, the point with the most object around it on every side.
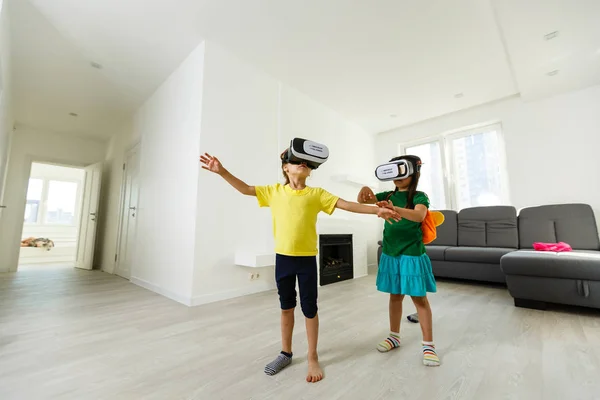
(128, 216)
(60, 214)
(52, 215)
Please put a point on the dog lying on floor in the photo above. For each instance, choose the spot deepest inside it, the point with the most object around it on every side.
(37, 242)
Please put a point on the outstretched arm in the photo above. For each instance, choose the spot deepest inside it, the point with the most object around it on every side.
(416, 215)
(389, 215)
(213, 164)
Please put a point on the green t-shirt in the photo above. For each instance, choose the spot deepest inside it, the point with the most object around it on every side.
(403, 237)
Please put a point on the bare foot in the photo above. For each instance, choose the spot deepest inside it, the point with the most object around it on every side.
(315, 373)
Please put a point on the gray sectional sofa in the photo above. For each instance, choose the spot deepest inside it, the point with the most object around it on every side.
(471, 243)
(535, 278)
(493, 244)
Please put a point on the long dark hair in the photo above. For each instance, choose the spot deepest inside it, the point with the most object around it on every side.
(412, 187)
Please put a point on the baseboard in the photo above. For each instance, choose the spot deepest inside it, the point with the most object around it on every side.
(360, 276)
(163, 292)
(257, 287)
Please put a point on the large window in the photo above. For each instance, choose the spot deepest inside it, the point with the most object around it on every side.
(34, 198)
(432, 175)
(52, 202)
(463, 169)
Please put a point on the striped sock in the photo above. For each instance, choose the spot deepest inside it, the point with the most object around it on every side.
(283, 360)
(392, 342)
(430, 357)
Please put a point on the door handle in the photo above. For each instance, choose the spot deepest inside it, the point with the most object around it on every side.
(2, 206)
(132, 208)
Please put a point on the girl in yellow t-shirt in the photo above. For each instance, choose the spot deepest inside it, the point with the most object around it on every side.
(294, 208)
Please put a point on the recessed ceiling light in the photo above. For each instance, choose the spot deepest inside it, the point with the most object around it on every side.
(393, 115)
(459, 95)
(96, 65)
(73, 114)
(551, 35)
(552, 73)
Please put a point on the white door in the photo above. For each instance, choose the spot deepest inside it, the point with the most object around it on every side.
(89, 216)
(129, 211)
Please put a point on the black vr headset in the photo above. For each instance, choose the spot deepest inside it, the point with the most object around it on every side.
(398, 168)
(302, 151)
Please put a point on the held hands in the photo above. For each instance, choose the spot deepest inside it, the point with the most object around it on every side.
(387, 211)
(390, 216)
(211, 164)
(385, 204)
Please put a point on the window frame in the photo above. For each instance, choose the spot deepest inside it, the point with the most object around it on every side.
(445, 141)
(442, 146)
(43, 208)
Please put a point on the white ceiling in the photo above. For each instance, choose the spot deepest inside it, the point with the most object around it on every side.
(54, 42)
(574, 53)
(367, 60)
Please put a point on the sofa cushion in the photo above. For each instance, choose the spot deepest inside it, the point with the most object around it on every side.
(583, 265)
(574, 224)
(436, 252)
(486, 255)
(484, 272)
(488, 227)
(447, 233)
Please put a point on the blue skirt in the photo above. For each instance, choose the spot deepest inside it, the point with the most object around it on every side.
(408, 275)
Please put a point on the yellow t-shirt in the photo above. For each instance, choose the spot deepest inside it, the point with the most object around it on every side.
(295, 216)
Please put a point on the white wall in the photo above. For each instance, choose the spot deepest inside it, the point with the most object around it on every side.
(190, 222)
(248, 119)
(239, 126)
(6, 118)
(551, 145)
(64, 236)
(169, 127)
(34, 145)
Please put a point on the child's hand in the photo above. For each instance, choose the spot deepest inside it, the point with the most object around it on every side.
(388, 215)
(366, 195)
(211, 164)
(385, 204)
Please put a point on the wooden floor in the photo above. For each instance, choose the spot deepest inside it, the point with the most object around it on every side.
(67, 334)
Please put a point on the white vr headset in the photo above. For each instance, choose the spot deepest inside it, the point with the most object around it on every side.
(398, 169)
(302, 151)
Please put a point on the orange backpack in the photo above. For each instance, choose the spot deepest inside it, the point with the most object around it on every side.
(432, 220)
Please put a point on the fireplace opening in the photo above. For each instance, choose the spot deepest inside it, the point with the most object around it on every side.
(336, 261)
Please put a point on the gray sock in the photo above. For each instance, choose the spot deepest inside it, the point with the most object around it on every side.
(278, 364)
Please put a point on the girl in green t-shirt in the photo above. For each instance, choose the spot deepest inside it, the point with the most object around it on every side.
(404, 267)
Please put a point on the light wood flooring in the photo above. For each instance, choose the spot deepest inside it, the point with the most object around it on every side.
(68, 334)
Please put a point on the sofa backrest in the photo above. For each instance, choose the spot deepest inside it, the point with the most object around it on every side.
(574, 224)
(488, 227)
(447, 233)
